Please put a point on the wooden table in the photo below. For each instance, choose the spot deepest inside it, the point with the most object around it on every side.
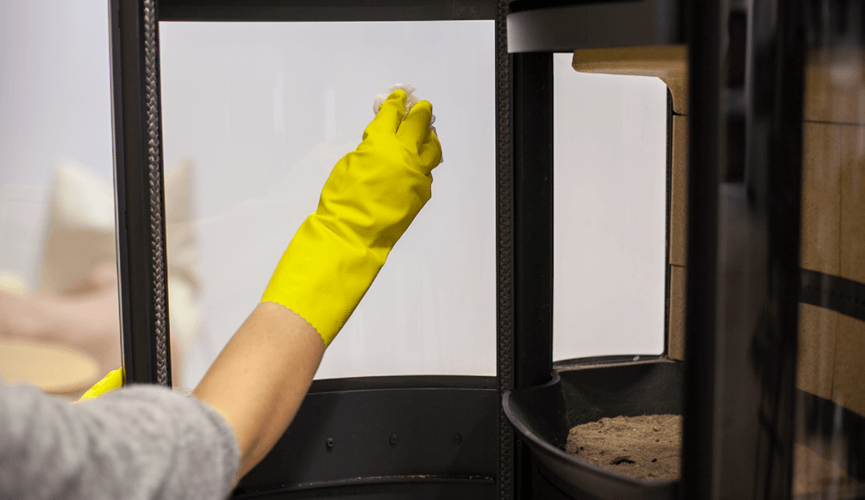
(53, 369)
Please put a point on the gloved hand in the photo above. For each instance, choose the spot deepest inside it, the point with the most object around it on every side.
(114, 380)
(370, 198)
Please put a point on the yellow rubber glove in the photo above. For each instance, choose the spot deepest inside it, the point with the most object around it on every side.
(114, 380)
(370, 198)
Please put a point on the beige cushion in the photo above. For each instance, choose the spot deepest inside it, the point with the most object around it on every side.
(81, 235)
(81, 229)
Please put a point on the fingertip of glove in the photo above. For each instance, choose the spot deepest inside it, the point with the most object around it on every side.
(396, 101)
(424, 107)
(420, 115)
(397, 94)
(112, 381)
(390, 114)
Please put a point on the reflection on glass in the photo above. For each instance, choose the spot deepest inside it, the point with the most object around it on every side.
(610, 213)
(829, 462)
(261, 113)
(59, 326)
(59, 278)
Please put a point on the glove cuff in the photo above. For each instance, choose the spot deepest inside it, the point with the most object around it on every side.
(322, 277)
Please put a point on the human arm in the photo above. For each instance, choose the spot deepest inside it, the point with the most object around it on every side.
(141, 443)
(149, 442)
(261, 376)
(370, 198)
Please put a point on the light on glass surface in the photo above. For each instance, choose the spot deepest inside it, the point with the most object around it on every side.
(263, 111)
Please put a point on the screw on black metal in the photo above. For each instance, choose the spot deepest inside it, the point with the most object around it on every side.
(394, 439)
(329, 443)
(457, 438)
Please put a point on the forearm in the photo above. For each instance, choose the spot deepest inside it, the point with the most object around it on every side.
(261, 377)
(372, 195)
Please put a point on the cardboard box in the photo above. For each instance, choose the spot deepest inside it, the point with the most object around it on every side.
(815, 367)
(821, 197)
(835, 85)
(679, 193)
(852, 200)
(676, 337)
(667, 62)
(849, 375)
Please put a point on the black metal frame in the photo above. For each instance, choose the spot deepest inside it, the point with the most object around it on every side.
(532, 110)
(532, 116)
(141, 259)
(743, 248)
(565, 25)
(386, 437)
(505, 285)
(704, 58)
(326, 11)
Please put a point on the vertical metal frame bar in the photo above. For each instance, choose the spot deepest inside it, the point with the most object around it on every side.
(532, 170)
(141, 256)
(504, 251)
(532, 116)
(775, 97)
(743, 247)
(704, 53)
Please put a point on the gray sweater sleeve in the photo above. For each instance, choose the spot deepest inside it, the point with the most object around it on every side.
(141, 442)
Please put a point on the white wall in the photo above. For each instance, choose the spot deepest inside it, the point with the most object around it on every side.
(265, 115)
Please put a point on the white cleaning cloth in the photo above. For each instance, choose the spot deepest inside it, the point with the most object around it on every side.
(410, 101)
